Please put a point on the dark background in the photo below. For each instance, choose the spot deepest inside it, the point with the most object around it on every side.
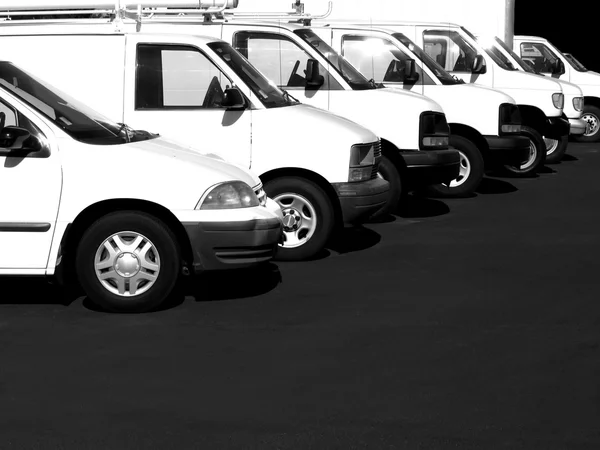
(571, 26)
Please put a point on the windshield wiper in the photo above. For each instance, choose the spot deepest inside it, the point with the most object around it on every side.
(458, 80)
(129, 132)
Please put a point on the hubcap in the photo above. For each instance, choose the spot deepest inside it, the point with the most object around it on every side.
(464, 171)
(530, 160)
(593, 123)
(127, 264)
(299, 219)
(551, 145)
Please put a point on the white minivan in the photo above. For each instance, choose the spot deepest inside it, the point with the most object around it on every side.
(546, 58)
(574, 100)
(124, 211)
(455, 48)
(321, 168)
(485, 125)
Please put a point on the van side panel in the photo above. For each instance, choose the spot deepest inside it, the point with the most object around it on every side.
(36, 54)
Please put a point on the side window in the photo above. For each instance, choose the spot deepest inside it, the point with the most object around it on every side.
(280, 60)
(542, 58)
(449, 50)
(379, 59)
(10, 117)
(176, 77)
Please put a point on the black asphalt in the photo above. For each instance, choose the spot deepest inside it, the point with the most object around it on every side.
(462, 324)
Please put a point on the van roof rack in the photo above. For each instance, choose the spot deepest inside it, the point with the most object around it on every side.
(145, 10)
(138, 10)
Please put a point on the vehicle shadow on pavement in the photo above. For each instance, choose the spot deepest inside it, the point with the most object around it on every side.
(232, 284)
(495, 186)
(354, 239)
(568, 158)
(33, 291)
(419, 205)
(546, 170)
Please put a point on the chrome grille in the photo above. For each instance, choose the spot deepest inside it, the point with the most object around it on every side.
(377, 153)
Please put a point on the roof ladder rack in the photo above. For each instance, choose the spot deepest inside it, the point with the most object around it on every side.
(117, 9)
(298, 15)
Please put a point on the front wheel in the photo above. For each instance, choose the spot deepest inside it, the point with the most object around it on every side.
(556, 149)
(536, 158)
(470, 173)
(390, 173)
(128, 261)
(591, 114)
(308, 217)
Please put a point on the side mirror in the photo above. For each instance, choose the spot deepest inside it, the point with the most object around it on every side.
(313, 78)
(410, 71)
(558, 68)
(479, 65)
(19, 139)
(233, 99)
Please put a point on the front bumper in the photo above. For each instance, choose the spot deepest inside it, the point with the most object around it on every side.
(233, 245)
(578, 126)
(424, 168)
(556, 127)
(511, 150)
(359, 201)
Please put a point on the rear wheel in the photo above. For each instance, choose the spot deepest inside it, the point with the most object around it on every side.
(470, 174)
(591, 114)
(556, 149)
(308, 217)
(536, 158)
(128, 261)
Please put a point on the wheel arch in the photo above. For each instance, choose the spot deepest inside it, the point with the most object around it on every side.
(93, 212)
(311, 176)
(470, 133)
(591, 100)
(533, 117)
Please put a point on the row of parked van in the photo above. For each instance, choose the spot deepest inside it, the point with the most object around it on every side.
(140, 145)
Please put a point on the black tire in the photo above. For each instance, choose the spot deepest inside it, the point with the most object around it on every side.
(537, 158)
(591, 114)
(390, 173)
(471, 159)
(282, 190)
(165, 245)
(558, 148)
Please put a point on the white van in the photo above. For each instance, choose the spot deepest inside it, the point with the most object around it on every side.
(574, 100)
(485, 124)
(549, 60)
(412, 127)
(124, 211)
(321, 168)
(540, 99)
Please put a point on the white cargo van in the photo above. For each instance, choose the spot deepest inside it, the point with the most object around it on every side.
(123, 210)
(549, 60)
(540, 99)
(574, 101)
(412, 127)
(484, 123)
(321, 168)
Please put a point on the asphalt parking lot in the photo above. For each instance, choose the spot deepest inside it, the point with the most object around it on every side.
(470, 323)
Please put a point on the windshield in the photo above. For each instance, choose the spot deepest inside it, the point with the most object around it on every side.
(441, 73)
(575, 63)
(522, 64)
(489, 45)
(269, 94)
(76, 119)
(352, 76)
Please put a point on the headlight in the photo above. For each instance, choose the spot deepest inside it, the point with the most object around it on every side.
(229, 195)
(558, 100)
(364, 161)
(578, 103)
(434, 132)
(509, 119)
